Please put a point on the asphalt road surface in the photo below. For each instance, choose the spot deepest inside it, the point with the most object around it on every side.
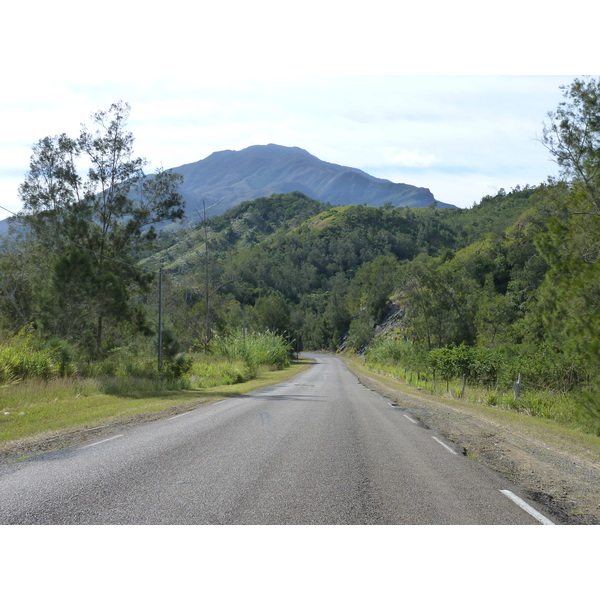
(317, 449)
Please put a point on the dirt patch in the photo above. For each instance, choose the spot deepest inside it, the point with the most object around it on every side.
(558, 469)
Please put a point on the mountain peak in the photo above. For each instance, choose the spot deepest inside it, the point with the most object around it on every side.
(228, 177)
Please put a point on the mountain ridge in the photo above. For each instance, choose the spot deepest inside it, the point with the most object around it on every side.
(226, 178)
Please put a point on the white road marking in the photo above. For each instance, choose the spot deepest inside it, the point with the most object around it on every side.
(411, 420)
(445, 445)
(114, 437)
(179, 415)
(528, 509)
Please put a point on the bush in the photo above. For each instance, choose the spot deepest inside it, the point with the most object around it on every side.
(137, 362)
(26, 357)
(553, 385)
(210, 371)
(177, 367)
(254, 349)
(391, 352)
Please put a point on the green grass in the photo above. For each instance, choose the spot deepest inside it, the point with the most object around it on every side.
(37, 408)
(566, 436)
(213, 371)
(561, 408)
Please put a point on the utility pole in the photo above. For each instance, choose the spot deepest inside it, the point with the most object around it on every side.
(206, 275)
(160, 319)
(244, 325)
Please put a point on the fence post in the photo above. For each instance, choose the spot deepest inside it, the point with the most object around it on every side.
(517, 387)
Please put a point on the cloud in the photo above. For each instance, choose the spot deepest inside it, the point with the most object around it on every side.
(433, 132)
(408, 158)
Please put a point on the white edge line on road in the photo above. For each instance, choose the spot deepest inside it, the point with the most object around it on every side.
(528, 509)
(114, 437)
(179, 415)
(445, 446)
(411, 420)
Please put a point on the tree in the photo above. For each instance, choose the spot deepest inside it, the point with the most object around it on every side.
(372, 287)
(568, 298)
(573, 138)
(439, 302)
(98, 220)
(271, 313)
(494, 314)
(17, 261)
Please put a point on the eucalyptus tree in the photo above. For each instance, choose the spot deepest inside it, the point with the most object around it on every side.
(89, 202)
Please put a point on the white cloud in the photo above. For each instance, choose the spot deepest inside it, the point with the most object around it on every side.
(408, 158)
(324, 76)
(445, 133)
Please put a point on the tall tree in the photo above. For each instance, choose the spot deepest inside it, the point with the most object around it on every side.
(573, 138)
(95, 220)
(568, 298)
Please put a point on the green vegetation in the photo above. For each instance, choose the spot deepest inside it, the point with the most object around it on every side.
(487, 376)
(43, 391)
(36, 407)
(463, 301)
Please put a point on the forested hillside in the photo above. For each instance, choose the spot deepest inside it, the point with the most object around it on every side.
(504, 291)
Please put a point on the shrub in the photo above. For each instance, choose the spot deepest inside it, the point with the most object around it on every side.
(177, 367)
(26, 357)
(254, 349)
(209, 371)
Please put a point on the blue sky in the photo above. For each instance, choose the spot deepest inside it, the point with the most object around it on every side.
(444, 105)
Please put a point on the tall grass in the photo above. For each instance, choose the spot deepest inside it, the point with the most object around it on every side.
(24, 356)
(487, 376)
(210, 371)
(254, 349)
(127, 382)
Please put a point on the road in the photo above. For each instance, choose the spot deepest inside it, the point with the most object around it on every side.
(317, 449)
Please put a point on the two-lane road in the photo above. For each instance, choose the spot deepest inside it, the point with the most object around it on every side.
(317, 449)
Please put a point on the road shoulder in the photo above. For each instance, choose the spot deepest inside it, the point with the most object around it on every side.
(559, 468)
(50, 441)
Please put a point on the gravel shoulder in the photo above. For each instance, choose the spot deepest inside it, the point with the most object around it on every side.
(559, 468)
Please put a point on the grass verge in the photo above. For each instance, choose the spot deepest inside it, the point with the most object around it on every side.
(562, 435)
(36, 410)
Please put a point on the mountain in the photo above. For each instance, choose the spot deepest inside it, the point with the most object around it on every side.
(226, 178)
(229, 177)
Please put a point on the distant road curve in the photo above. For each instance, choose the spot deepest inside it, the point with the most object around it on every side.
(317, 449)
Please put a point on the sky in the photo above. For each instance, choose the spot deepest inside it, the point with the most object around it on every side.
(462, 137)
(415, 95)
